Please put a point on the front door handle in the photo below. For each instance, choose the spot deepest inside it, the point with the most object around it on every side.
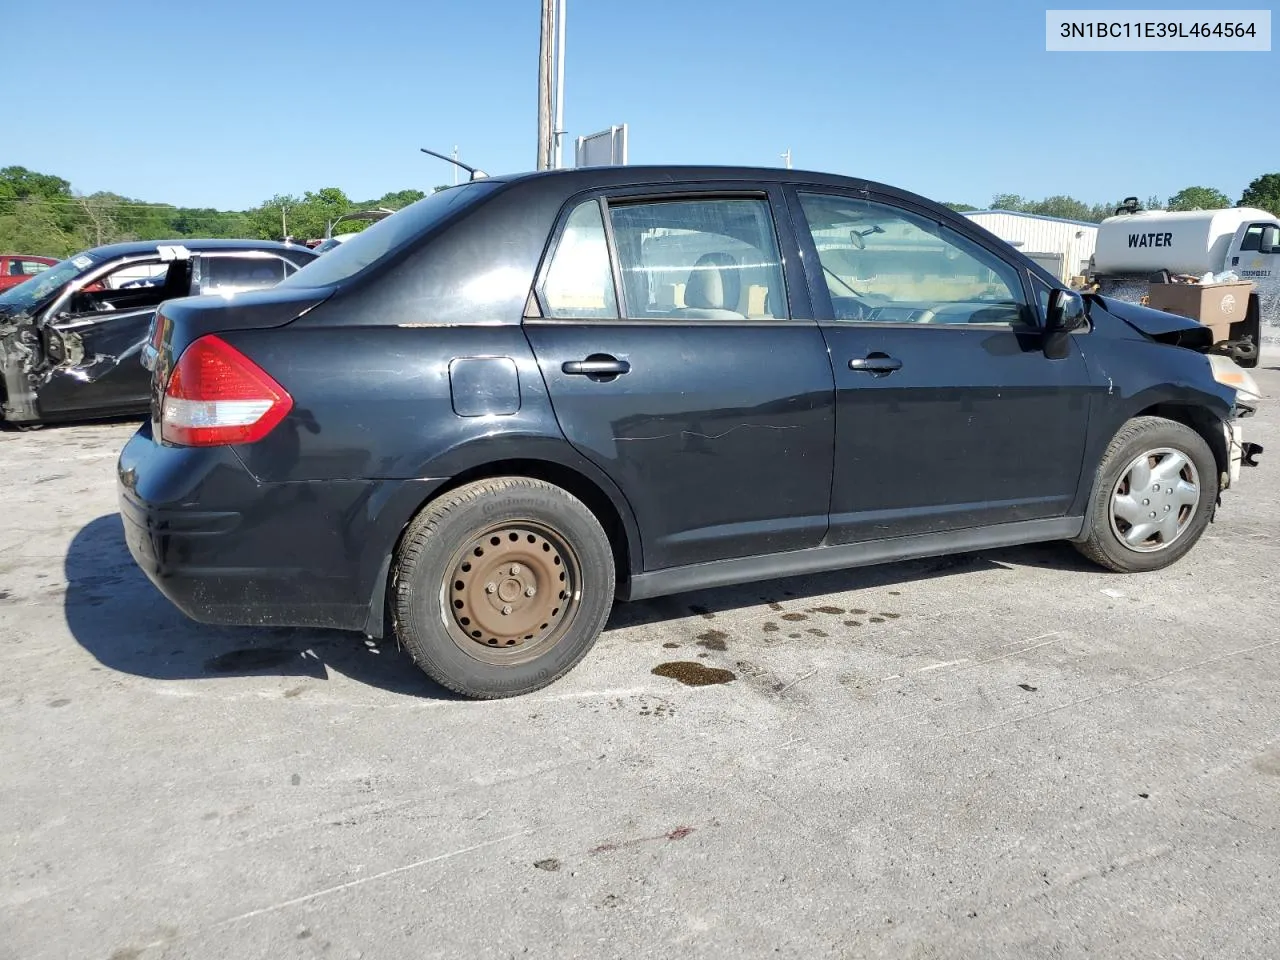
(876, 363)
(596, 367)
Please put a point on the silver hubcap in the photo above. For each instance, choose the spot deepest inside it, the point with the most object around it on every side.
(1154, 500)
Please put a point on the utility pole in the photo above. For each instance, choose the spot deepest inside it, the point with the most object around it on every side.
(284, 224)
(545, 40)
(558, 131)
(455, 164)
(787, 158)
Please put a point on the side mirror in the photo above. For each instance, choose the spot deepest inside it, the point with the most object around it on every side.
(1067, 312)
(1270, 240)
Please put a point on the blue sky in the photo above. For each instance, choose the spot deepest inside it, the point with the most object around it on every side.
(225, 103)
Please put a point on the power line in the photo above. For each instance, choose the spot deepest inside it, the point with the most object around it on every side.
(99, 200)
(115, 204)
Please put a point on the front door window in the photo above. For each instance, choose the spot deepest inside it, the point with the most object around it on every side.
(884, 264)
(137, 284)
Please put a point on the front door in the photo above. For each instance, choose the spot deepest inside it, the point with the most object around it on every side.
(96, 334)
(1258, 256)
(666, 343)
(948, 414)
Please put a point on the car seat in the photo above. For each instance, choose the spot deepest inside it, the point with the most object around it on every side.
(713, 290)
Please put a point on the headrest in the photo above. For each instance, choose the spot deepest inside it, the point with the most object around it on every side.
(714, 283)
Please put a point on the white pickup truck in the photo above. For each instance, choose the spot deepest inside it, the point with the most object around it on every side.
(1132, 246)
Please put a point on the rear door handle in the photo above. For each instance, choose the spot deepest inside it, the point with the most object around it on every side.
(876, 363)
(596, 368)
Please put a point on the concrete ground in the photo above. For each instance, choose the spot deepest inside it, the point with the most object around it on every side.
(1003, 755)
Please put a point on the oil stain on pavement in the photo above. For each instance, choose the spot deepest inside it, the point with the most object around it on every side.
(693, 674)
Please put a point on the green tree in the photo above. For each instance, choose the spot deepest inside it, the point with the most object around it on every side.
(270, 219)
(1067, 208)
(1009, 201)
(397, 199)
(316, 211)
(1199, 198)
(97, 215)
(959, 207)
(1263, 192)
(20, 183)
(36, 226)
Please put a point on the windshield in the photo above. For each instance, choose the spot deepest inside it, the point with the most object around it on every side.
(29, 294)
(347, 259)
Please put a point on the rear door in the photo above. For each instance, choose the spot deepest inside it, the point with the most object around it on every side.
(666, 338)
(948, 414)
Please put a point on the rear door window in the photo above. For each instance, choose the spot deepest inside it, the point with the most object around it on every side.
(231, 273)
(579, 279)
(703, 259)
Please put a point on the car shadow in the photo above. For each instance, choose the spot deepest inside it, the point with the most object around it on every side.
(1053, 555)
(115, 613)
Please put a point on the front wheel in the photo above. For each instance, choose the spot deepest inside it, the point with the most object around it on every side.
(501, 586)
(1153, 496)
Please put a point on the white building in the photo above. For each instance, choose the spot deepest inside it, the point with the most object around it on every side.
(1063, 247)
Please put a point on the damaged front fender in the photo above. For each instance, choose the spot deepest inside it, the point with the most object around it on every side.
(20, 359)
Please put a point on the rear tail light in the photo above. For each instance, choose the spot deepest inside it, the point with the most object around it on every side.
(218, 396)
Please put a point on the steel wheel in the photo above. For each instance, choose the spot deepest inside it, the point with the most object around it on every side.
(1155, 500)
(512, 593)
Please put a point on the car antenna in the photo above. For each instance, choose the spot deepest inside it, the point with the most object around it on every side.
(474, 172)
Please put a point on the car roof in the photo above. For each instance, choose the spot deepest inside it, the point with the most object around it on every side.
(195, 245)
(567, 182)
(586, 177)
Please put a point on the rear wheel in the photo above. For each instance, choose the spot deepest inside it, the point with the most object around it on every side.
(502, 586)
(1153, 496)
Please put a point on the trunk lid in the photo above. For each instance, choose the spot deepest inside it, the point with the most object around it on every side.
(178, 323)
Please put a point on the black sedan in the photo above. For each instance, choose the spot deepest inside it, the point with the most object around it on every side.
(72, 335)
(479, 421)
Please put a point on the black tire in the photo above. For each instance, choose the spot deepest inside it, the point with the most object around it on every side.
(1145, 434)
(529, 514)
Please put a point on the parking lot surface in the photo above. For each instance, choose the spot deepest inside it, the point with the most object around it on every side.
(1005, 754)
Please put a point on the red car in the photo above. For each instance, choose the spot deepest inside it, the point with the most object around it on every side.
(17, 267)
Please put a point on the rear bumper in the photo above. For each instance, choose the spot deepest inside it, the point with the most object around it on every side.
(226, 549)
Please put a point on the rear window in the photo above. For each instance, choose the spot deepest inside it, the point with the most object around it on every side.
(349, 258)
